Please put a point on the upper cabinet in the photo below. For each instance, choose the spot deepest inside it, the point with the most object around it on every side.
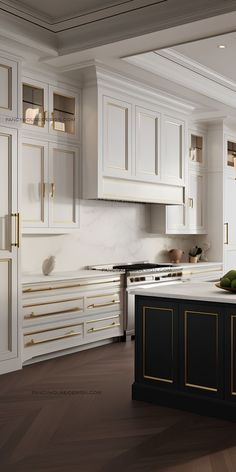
(50, 109)
(173, 150)
(133, 149)
(189, 218)
(50, 187)
(117, 150)
(9, 89)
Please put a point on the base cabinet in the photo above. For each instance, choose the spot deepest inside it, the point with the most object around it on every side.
(185, 355)
(67, 314)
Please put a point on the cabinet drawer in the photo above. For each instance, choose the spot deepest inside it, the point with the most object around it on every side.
(102, 302)
(55, 335)
(105, 326)
(69, 286)
(34, 309)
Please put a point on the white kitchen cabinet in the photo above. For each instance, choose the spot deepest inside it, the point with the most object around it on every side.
(117, 156)
(50, 186)
(132, 150)
(35, 105)
(69, 313)
(8, 88)
(147, 156)
(50, 109)
(9, 252)
(230, 223)
(196, 201)
(173, 150)
(35, 179)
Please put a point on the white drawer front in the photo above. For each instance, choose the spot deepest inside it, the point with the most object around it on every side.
(107, 326)
(66, 287)
(102, 302)
(55, 335)
(38, 309)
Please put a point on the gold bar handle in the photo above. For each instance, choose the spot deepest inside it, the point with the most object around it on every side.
(101, 305)
(17, 230)
(226, 227)
(34, 342)
(52, 189)
(38, 315)
(113, 325)
(42, 289)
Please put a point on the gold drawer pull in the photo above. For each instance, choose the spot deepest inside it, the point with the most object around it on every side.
(42, 289)
(33, 342)
(38, 315)
(101, 305)
(17, 229)
(113, 325)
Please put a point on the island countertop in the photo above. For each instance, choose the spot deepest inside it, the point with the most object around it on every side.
(202, 291)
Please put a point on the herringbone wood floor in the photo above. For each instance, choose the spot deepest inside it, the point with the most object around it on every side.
(75, 414)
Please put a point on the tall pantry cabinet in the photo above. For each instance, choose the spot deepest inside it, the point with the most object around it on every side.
(9, 218)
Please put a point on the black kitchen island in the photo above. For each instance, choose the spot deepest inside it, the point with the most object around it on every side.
(185, 348)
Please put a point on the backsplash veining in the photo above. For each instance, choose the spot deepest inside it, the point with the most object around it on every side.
(109, 232)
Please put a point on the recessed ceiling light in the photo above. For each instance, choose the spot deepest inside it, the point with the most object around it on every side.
(221, 46)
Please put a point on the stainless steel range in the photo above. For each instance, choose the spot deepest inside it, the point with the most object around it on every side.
(140, 274)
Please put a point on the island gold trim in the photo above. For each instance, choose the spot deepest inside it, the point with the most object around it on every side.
(186, 383)
(232, 355)
(160, 379)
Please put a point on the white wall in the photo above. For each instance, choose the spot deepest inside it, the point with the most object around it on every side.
(109, 232)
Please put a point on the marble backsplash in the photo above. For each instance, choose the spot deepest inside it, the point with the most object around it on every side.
(109, 232)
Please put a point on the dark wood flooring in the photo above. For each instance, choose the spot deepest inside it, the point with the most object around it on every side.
(75, 414)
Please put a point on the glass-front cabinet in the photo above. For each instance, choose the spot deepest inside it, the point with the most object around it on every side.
(50, 109)
(8, 88)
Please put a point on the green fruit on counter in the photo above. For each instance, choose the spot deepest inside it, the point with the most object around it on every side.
(231, 275)
(233, 283)
(225, 282)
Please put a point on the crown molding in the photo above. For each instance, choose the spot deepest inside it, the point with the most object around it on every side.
(185, 76)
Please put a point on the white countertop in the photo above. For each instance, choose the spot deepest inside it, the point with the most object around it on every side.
(201, 291)
(58, 276)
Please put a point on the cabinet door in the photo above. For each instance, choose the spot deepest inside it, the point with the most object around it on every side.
(196, 202)
(35, 105)
(230, 337)
(147, 145)
(116, 137)
(8, 88)
(202, 344)
(157, 342)
(173, 149)
(34, 183)
(64, 112)
(63, 186)
(176, 219)
(9, 243)
(230, 224)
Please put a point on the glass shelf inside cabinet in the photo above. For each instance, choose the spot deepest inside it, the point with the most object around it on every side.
(63, 113)
(231, 154)
(33, 106)
(195, 152)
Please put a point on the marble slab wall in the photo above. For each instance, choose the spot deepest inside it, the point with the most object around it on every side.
(109, 232)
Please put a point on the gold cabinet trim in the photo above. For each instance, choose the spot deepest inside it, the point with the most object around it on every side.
(100, 295)
(53, 329)
(232, 355)
(32, 342)
(42, 289)
(103, 319)
(160, 379)
(102, 305)
(61, 312)
(50, 303)
(94, 330)
(186, 383)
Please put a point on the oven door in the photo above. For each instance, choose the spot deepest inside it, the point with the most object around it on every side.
(130, 303)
